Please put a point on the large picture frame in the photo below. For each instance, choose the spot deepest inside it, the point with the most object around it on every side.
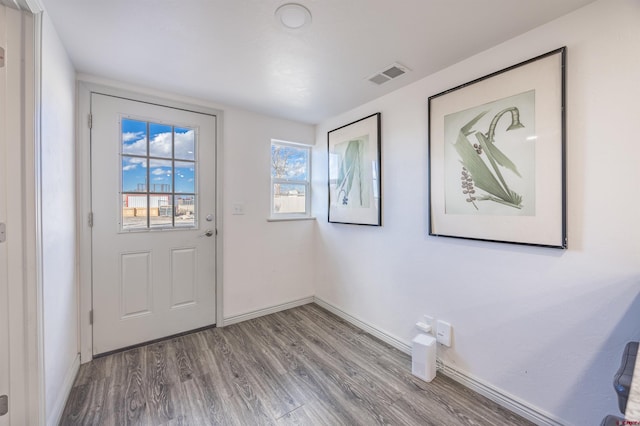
(497, 156)
(354, 172)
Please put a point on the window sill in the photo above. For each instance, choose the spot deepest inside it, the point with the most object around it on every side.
(289, 219)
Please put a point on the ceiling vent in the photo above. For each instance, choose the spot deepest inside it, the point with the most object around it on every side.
(394, 70)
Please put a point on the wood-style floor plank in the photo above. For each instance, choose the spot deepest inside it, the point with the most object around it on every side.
(303, 366)
(276, 390)
(85, 405)
(159, 393)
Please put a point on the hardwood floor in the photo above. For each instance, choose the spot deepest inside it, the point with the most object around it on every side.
(303, 366)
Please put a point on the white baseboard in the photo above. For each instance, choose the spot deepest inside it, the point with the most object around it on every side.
(56, 411)
(500, 397)
(382, 335)
(266, 311)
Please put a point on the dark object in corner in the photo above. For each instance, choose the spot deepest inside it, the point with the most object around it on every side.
(612, 420)
(622, 379)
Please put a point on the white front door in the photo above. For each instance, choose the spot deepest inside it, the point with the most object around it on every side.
(153, 237)
(4, 279)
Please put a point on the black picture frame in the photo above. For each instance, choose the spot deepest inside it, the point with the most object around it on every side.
(497, 152)
(354, 172)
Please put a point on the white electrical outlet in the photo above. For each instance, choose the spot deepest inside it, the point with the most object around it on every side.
(443, 333)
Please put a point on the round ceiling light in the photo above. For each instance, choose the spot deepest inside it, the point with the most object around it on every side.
(293, 16)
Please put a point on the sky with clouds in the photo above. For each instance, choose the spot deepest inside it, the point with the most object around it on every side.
(161, 171)
(295, 161)
(293, 164)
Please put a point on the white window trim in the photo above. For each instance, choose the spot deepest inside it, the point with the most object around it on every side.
(273, 215)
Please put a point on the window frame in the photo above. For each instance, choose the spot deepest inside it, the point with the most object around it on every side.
(273, 215)
(147, 193)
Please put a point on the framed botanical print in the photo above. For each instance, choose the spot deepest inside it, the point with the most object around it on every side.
(497, 156)
(354, 172)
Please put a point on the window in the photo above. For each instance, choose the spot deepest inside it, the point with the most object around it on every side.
(158, 169)
(290, 184)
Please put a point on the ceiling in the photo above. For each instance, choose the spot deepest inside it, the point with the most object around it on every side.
(234, 52)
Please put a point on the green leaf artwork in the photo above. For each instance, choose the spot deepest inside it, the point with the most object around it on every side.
(486, 171)
(352, 189)
(354, 172)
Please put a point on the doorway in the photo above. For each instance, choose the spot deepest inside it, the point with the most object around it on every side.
(153, 220)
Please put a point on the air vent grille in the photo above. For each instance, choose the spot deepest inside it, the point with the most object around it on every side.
(393, 72)
(379, 79)
(388, 73)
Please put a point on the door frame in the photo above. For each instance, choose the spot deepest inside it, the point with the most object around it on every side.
(86, 86)
(24, 269)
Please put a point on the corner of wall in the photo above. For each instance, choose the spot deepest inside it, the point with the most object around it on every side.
(56, 411)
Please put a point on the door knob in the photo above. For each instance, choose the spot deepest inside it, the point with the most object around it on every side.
(207, 233)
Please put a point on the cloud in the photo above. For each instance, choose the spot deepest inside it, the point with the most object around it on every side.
(135, 143)
(185, 145)
(161, 172)
(133, 162)
(129, 136)
(160, 145)
(160, 163)
(138, 147)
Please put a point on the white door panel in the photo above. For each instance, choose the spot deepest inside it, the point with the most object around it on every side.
(153, 269)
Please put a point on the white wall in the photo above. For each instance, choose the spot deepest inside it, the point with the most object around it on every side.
(265, 263)
(60, 309)
(544, 325)
(262, 262)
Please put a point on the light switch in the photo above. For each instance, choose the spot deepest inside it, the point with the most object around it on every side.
(238, 208)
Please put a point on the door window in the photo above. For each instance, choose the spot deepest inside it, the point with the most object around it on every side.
(158, 176)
